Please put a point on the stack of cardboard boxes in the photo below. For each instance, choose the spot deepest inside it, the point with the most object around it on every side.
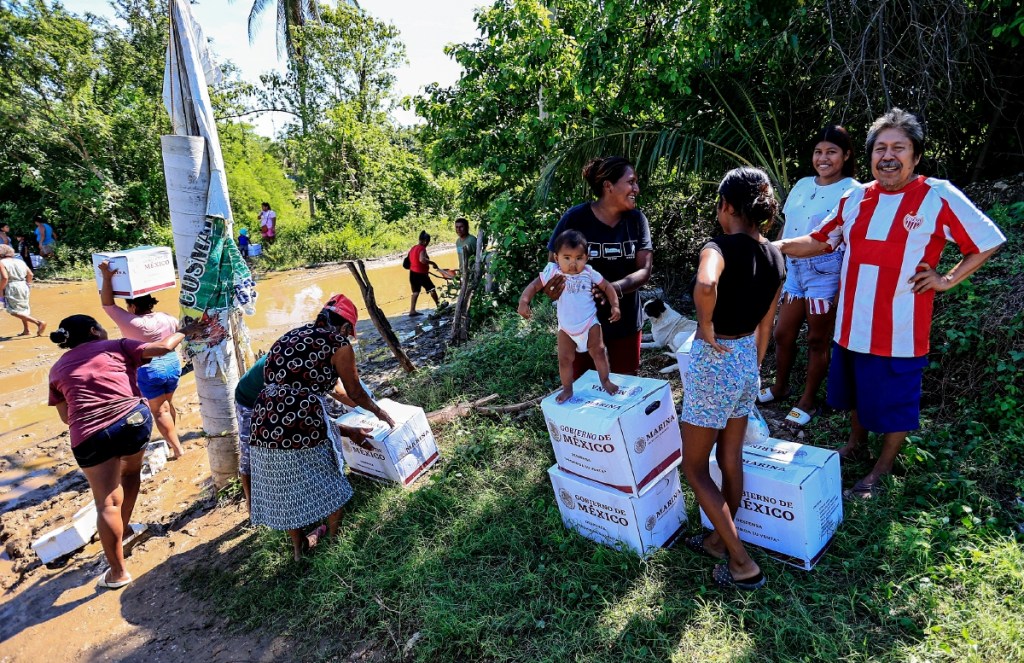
(616, 479)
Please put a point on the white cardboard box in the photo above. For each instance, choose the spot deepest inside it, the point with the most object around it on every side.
(627, 441)
(641, 523)
(138, 271)
(683, 356)
(400, 454)
(792, 500)
(69, 538)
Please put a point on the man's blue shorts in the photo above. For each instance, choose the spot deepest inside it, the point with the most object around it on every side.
(160, 376)
(885, 391)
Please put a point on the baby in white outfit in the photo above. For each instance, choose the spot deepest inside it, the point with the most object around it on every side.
(578, 327)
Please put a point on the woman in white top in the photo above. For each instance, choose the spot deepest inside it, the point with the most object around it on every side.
(15, 278)
(811, 283)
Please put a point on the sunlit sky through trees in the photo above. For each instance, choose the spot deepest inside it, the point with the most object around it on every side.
(425, 26)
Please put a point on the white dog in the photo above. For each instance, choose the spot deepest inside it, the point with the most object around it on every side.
(669, 329)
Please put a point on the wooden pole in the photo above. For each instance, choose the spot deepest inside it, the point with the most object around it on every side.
(380, 321)
(470, 282)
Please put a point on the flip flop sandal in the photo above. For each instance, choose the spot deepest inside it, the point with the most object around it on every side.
(800, 417)
(696, 544)
(103, 583)
(723, 578)
(766, 396)
(314, 537)
(857, 455)
(861, 491)
(138, 529)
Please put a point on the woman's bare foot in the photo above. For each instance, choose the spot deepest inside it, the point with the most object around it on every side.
(42, 328)
(609, 386)
(565, 395)
(24, 333)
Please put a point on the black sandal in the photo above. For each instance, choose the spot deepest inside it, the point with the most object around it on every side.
(723, 578)
(696, 544)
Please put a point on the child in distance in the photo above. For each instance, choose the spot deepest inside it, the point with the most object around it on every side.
(578, 327)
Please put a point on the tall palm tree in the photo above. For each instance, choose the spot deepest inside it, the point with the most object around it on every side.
(290, 14)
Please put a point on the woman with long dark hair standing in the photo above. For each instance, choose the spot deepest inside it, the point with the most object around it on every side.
(619, 248)
(812, 284)
(93, 387)
(736, 290)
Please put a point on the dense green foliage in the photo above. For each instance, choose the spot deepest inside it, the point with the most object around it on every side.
(476, 561)
(689, 89)
(81, 117)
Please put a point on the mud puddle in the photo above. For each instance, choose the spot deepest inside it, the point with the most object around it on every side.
(54, 612)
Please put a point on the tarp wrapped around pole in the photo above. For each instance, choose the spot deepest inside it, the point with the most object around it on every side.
(215, 282)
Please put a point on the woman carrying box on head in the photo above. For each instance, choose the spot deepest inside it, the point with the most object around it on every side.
(736, 290)
(159, 378)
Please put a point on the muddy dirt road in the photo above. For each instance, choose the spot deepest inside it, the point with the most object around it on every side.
(54, 613)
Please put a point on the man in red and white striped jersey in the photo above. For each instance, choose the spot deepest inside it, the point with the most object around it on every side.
(894, 229)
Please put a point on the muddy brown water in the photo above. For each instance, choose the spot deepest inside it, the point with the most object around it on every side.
(54, 612)
(286, 300)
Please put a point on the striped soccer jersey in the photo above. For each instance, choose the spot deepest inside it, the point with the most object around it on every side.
(887, 235)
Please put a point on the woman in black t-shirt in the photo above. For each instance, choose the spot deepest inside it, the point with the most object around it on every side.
(620, 249)
(737, 289)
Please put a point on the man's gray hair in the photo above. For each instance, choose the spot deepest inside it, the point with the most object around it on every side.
(897, 118)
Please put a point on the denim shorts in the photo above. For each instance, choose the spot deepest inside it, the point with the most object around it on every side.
(125, 437)
(720, 386)
(813, 278)
(885, 391)
(160, 376)
(244, 415)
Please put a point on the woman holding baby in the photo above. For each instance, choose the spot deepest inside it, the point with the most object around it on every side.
(619, 247)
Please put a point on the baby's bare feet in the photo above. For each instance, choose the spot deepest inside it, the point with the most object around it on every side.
(610, 386)
(564, 396)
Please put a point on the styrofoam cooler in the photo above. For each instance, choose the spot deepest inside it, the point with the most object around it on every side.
(255, 250)
(154, 459)
(792, 502)
(400, 454)
(69, 538)
(627, 441)
(139, 271)
(643, 523)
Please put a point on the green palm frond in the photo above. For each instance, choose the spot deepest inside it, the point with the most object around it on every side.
(668, 150)
(745, 136)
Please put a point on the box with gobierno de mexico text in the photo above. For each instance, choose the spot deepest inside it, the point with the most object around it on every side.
(626, 440)
(139, 271)
(642, 523)
(400, 454)
(792, 499)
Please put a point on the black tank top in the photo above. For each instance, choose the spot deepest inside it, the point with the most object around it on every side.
(746, 289)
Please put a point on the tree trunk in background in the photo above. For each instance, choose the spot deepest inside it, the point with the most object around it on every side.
(380, 321)
(470, 283)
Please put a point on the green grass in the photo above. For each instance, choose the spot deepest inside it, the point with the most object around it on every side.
(476, 559)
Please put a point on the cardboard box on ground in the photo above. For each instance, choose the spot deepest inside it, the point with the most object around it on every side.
(400, 454)
(792, 502)
(627, 441)
(643, 523)
(139, 271)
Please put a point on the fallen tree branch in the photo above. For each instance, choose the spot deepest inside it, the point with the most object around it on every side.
(452, 412)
